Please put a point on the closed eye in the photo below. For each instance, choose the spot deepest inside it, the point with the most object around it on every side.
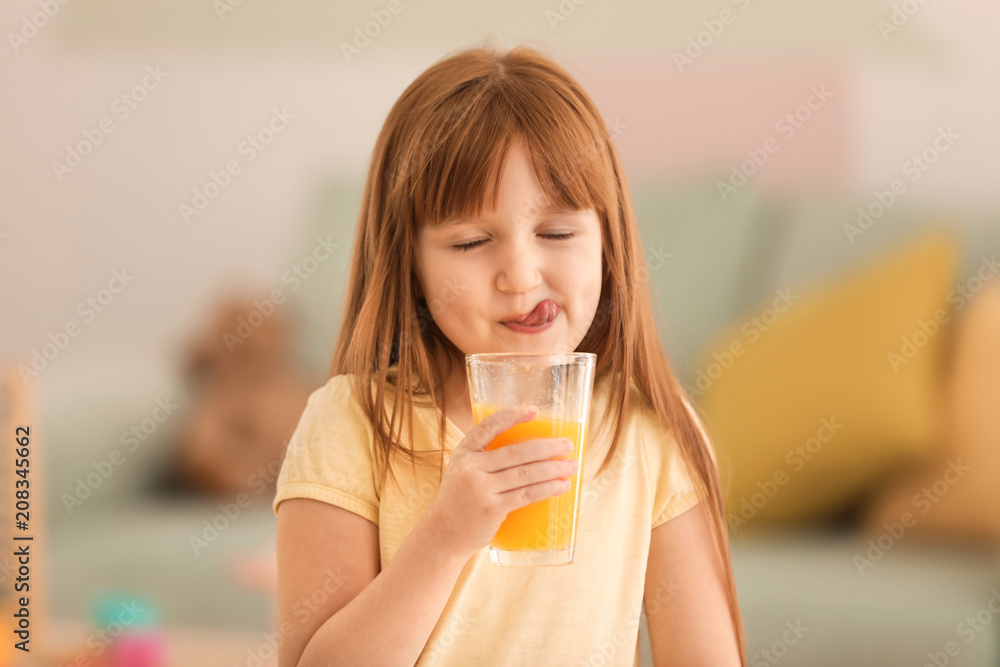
(475, 244)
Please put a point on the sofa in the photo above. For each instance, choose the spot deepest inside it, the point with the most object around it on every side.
(802, 598)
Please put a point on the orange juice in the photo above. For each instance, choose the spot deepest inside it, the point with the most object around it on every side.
(546, 524)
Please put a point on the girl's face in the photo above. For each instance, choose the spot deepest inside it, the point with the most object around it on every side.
(517, 256)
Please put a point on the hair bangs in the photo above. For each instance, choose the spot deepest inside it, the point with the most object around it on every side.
(457, 170)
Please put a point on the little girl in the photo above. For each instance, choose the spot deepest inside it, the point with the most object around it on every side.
(494, 192)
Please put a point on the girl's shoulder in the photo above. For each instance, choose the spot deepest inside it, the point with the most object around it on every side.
(639, 421)
(639, 405)
(345, 393)
(336, 401)
(335, 390)
(339, 387)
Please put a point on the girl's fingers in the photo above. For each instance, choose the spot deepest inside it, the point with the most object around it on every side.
(487, 430)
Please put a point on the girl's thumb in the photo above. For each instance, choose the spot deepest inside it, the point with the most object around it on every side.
(487, 430)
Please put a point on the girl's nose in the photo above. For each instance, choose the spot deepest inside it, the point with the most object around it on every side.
(519, 269)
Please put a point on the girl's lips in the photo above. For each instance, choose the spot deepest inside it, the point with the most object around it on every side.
(540, 319)
(523, 328)
(543, 313)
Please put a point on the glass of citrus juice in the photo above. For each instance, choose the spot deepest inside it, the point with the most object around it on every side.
(560, 385)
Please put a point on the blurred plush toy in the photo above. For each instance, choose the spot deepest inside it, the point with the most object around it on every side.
(246, 399)
(960, 483)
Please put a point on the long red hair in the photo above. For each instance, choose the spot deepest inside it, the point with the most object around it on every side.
(440, 155)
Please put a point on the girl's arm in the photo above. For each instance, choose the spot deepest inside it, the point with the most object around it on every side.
(334, 605)
(685, 597)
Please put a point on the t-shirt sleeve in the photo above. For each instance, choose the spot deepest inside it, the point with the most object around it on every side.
(329, 456)
(676, 486)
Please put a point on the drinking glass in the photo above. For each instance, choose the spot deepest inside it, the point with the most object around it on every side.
(561, 386)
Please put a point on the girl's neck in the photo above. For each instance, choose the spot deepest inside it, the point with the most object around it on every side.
(457, 405)
(456, 389)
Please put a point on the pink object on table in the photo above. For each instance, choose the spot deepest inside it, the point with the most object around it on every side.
(138, 649)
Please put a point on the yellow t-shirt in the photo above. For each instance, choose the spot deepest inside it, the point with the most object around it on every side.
(586, 613)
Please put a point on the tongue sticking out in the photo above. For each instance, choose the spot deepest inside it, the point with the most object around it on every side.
(543, 312)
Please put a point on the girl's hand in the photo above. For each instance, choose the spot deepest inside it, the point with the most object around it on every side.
(481, 487)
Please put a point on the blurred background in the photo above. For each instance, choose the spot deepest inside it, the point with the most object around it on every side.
(818, 193)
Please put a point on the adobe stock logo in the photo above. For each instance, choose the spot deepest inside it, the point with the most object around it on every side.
(969, 628)
(786, 126)
(122, 107)
(453, 629)
(88, 309)
(753, 328)
(924, 500)
(915, 167)
(381, 18)
(561, 13)
(780, 647)
(248, 149)
(37, 21)
(623, 639)
(901, 14)
(103, 469)
(796, 458)
(704, 39)
(926, 330)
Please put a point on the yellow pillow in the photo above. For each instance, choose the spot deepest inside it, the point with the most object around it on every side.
(957, 495)
(817, 395)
